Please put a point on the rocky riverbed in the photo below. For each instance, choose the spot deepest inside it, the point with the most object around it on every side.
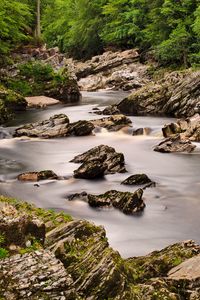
(115, 154)
(62, 258)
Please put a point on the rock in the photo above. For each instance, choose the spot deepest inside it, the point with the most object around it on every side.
(66, 91)
(189, 129)
(175, 144)
(141, 131)
(113, 123)
(128, 203)
(56, 126)
(109, 110)
(83, 249)
(189, 270)
(90, 170)
(81, 128)
(37, 176)
(17, 227)
(113, 70)
(159, 263)
(102, 157)
(41, 101)
(76, 262)
(177, 95)
(35, 275)
(137, 179)
(10, 103)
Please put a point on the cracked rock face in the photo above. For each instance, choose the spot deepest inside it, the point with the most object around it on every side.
(100, 160)
(35, 275)
(177, 94)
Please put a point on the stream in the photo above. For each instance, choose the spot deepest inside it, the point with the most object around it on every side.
(172, 207)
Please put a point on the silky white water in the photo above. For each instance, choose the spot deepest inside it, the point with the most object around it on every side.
(172, 207)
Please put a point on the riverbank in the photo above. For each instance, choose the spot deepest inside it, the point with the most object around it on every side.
(62, 258)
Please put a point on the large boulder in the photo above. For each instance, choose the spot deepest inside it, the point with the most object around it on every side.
(56, 126)
(128, 203)
(177, 94)
(174, 144)
(103, 159)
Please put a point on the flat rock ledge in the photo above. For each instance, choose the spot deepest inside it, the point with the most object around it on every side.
(99, 161)
(41, 101)
(128, 203)
(75, 262)
(56, 126)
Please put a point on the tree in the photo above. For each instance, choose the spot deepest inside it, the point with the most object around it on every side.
(38, 27)
(15, 18)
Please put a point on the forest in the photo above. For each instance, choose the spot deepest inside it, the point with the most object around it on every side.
(168, 30)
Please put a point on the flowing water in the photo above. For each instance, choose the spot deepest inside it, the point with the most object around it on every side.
(172, 207)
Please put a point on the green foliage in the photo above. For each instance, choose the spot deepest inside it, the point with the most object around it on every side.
(34, 78)
(75, 26)
(3, 253)
(14, 19)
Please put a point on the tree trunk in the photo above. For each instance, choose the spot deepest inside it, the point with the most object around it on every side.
(38, 28)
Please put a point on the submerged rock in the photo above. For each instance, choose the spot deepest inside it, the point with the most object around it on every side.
(177, 94)
(175, 144)
(109, 110)
(137, 179)
(37, 176)
(128, 203)
(56, 126)
(102, 160)
(113, 123)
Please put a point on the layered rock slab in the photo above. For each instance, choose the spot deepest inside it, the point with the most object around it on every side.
(56, 126)
(177, 95)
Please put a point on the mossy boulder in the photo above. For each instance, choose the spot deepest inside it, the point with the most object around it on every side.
(10, 102)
